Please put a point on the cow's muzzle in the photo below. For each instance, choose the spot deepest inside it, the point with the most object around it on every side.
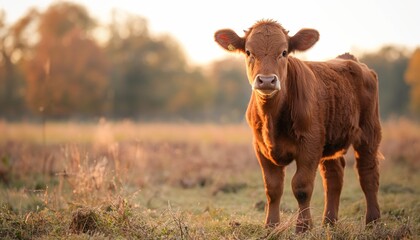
(266, 85)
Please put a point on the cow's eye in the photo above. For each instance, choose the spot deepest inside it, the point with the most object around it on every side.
(284, 53)
(248, 53)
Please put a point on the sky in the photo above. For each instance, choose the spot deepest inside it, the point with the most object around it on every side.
(344, 26)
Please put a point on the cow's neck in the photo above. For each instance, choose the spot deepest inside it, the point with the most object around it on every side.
(268, 114)
(271, 108)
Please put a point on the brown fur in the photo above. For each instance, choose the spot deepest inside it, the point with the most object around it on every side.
(321, 110)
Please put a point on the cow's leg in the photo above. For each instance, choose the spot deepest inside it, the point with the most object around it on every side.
(302, 186)
(332, 172)
(273, 177)
(367, 168)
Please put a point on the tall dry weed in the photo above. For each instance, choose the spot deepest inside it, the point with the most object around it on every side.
(90, 180)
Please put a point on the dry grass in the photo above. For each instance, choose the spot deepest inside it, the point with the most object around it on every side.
(183, 181)
(104, 132)
(401, 142)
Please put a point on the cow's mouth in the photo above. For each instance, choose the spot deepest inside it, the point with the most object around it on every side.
(266, 93)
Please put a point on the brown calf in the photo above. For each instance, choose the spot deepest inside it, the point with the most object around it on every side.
(310, 112)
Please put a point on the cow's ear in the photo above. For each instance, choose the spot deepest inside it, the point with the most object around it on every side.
(229, 40)
(303, 40)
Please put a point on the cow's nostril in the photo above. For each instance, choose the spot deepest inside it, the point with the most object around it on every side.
(273, 81)
(260, 81)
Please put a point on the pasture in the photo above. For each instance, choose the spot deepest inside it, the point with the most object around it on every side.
(129, 180)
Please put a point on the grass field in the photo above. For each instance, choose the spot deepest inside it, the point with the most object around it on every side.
(130, 180)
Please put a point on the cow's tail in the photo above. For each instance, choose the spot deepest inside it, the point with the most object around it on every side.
(348, 56)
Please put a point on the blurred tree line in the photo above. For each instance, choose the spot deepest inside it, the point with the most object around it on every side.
(62, 63)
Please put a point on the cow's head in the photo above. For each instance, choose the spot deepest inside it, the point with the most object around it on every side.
(266, 46)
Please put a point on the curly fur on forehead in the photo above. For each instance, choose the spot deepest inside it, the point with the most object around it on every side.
(267, 23)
